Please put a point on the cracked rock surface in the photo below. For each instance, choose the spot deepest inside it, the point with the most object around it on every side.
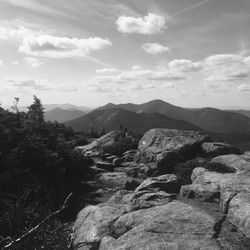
(212, 212)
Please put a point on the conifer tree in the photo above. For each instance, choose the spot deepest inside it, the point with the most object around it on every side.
(36, 112)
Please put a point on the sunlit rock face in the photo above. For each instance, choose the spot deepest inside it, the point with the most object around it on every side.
(154, 208)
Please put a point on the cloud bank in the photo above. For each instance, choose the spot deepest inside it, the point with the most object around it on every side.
(25, 83)
(61, 47)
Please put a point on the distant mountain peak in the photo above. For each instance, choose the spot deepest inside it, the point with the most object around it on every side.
(207, 118)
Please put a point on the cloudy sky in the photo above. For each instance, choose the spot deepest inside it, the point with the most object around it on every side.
(89, 52)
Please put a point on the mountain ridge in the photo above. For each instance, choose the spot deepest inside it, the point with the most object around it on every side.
(210, 119)
(113, 118)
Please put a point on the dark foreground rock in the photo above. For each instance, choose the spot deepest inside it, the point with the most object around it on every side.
(105, 165)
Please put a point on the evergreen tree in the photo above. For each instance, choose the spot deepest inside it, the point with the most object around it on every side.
(36, 112)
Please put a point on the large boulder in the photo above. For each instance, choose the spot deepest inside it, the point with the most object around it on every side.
(212, 149)
(169, 146)
(93, 223)
(239, 212)
(157, 223)
(115, 142)
(230, 184)
(232, 162)
(172, 226)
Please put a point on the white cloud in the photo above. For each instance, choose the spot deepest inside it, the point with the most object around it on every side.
(1, 63)
(15, 62)
(33, 62)
(25, 83)
(247, 60)
(183, 65)
(106, 71)
(222, 59)
(61, 47)
(228, 75)
(225, 67)
(135, 79)
(146, 25)
(215, 68)
(31, 85)
(8, 32)
(154, 48)
(244, 88)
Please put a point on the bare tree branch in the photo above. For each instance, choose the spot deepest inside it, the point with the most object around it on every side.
(33, 229)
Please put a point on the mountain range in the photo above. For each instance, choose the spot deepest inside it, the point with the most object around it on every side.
(241, 111)
(209, 119)
(230, 126)
(114, 118)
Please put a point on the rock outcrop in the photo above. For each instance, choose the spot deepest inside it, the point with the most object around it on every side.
(144, 220)
(154, 208)
(167, 147)
(115, 142)
(230, 186)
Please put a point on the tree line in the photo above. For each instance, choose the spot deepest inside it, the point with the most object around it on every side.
(38, 170)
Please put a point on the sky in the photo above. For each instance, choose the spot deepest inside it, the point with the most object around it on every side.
(191, 53)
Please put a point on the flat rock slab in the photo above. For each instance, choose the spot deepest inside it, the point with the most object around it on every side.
(166, 224)
(172, 226)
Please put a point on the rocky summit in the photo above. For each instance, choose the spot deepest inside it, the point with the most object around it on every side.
(177, 190)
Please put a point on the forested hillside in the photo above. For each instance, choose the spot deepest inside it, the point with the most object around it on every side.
(38, 170)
